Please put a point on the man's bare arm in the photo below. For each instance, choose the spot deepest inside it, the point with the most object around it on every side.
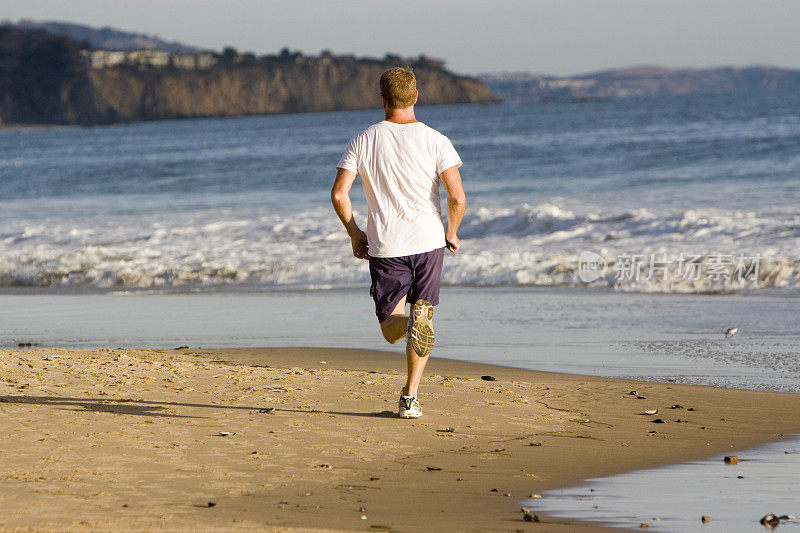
(340, 197)
(456, 205)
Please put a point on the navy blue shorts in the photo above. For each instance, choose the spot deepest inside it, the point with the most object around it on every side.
(417, 276)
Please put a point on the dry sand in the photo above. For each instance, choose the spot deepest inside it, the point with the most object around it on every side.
(106, 440)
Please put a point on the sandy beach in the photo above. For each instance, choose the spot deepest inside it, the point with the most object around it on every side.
(98, 440)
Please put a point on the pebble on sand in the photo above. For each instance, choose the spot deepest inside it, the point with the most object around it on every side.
(770, 521)
(705, 519)
(488, 378)
(731, 459)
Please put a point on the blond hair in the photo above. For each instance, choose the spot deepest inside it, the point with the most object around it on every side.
(399, 87)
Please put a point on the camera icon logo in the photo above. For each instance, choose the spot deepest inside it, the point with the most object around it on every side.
(591, 266)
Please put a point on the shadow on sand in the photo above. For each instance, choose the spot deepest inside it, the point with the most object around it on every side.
(125, 406)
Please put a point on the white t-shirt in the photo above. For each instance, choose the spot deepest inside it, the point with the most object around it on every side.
(399, 165)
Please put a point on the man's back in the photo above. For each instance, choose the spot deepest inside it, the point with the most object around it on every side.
(399, 165)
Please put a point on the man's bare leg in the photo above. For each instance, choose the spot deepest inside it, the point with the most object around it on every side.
(416, 365)
(395, 326)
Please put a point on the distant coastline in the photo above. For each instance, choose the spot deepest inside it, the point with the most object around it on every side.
(55, 73)
(53, 79)
(642, 81)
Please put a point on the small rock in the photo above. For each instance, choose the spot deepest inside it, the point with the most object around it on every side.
(536, 496)
(499, 449)
(739, 477)
(182, 348)
(374, 478)
(494, 490)
(267, 410)
(507, 494)
(212, 504)
(676, 406)
(705, 519)
(448, 429)
(534, 444)
(362, 509)
(731, 459)
(528, 517)
(644, 525)
(651, 411)
(641, 398)
(324, 465)
(770, 521)
(690, 409)
(488, 378)
(432, 468)
(226, 433)
(730, 332)
(633, 393)
(658, 421)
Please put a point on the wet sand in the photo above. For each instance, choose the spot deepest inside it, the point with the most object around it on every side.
(98, 440)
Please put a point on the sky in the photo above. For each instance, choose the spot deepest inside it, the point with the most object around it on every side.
(557, 37)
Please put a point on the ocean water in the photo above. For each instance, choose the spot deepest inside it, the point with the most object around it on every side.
(678, 194)
(734, 497)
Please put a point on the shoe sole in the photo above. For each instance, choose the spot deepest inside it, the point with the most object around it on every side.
(422, 337)
(408, 416)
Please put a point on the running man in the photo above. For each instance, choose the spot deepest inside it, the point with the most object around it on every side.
(401, 162)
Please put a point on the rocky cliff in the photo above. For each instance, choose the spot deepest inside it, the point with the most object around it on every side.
(313, 84)
(44, 79)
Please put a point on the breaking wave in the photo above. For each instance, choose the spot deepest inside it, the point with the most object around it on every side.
(536, 245)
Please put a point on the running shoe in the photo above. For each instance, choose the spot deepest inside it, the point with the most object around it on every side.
(409, 407)
(420, 327)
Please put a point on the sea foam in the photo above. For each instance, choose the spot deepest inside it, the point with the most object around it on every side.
(538, 245)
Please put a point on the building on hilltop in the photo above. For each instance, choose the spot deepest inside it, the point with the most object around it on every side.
(99, 59)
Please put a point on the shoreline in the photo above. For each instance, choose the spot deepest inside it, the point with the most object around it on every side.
(131, 438)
